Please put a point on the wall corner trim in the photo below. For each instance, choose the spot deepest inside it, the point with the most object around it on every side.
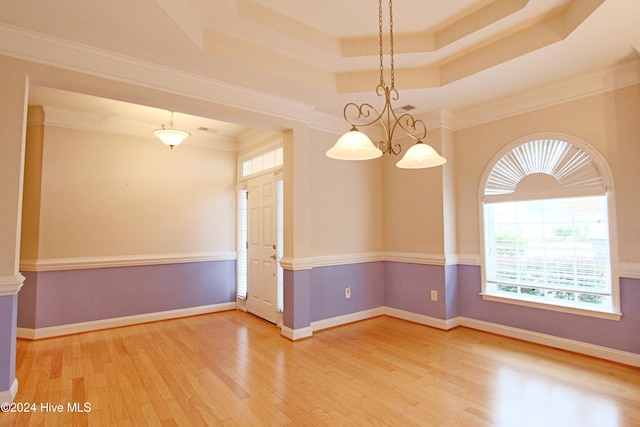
(463, 259)
(629, 270)
(7, 396)
(332, 322)
(10, 285)
(296, 334)
(293, 264)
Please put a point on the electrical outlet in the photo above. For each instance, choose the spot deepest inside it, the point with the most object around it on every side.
(347, 292)
(434, 295)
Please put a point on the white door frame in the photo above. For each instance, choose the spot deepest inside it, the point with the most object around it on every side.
(278, 251)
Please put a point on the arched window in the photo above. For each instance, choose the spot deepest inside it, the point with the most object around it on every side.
(548, 222)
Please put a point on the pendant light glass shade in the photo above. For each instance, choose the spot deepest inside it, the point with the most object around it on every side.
(354, 145)
(171, 137)
(421, 156)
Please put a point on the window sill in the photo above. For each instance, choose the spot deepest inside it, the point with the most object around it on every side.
(600, 314)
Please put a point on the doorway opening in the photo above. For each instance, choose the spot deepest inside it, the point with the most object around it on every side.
(260, 234)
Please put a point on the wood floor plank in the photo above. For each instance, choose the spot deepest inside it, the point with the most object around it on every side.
(232, 369)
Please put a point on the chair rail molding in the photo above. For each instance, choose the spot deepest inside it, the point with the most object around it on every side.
(10, 285)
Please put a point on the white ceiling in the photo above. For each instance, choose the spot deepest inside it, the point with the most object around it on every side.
(293, 48)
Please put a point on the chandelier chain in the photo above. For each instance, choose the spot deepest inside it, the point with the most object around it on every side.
(393, 85)
(380, 42)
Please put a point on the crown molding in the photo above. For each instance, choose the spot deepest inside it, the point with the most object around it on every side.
(84, 121)
(581, 86)
(36, 47)
(52, 51)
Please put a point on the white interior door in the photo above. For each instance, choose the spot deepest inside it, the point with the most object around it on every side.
(262, 281)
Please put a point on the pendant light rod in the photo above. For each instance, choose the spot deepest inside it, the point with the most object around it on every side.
(355, 145)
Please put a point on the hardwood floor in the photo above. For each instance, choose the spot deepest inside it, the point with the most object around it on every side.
(234, 369)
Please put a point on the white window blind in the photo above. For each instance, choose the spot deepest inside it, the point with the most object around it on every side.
(546, 227)
(549, 250)
(280, 245)
(241, 262)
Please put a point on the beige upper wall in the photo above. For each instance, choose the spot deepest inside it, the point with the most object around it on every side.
(609, 122)
(346, 202)
(413, 204)
(29, 247)
(14, 90)
(322, 205)
(109, 195)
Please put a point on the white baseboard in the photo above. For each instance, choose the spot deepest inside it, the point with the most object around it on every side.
(600, 352)
(605, 353)
(347, 318)
(95, 325)
(423, 319)
(7, 396)
(296, 334)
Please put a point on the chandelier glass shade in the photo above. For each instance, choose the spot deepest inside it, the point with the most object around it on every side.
(420, 156)
(355, 145)
(170, 136)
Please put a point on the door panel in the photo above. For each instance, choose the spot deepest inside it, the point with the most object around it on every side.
(262, 295)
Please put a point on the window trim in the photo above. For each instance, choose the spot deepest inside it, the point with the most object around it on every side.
(273, 145)
(601, 314)
(614, 312)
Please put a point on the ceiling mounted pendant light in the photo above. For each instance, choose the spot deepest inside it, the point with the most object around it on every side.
(171, 136)
(355, 145)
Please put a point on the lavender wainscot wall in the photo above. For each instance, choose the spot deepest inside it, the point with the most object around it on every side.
(8, 306)
(621, 335)
(297, 299)
(53, 298)
(366, 281)
(408, 287)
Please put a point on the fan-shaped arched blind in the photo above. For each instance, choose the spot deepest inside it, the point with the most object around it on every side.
(545, 214)
(568, 164)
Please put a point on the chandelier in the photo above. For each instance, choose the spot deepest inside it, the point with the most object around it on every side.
(355, 145)
(171, 136)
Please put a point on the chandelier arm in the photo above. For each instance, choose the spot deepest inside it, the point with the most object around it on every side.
(385, 145)
(362, 111)
(414, 128)
(392, 148)
(365, 110)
